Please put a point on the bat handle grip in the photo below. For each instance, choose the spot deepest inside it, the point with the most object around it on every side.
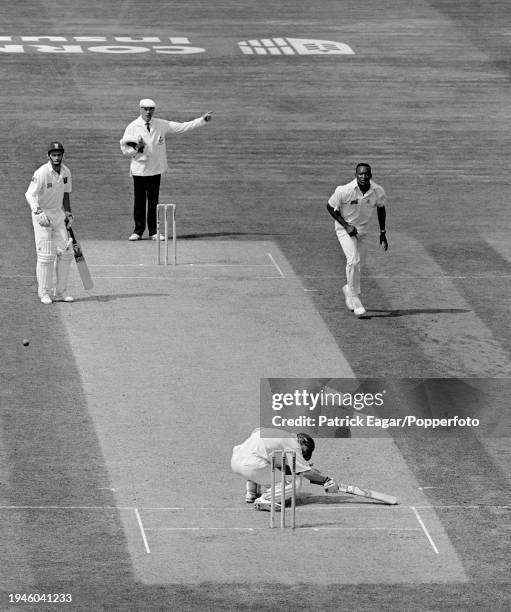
(71, 233)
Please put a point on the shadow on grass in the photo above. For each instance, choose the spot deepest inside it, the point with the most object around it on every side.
(117, 296)
(403, 312)
(207, 235)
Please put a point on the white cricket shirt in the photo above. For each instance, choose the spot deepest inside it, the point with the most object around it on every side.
(261, 445)
(47, 189)
(153, 160)
(356, 207)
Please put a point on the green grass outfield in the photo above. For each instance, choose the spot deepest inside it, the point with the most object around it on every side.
(117, 422)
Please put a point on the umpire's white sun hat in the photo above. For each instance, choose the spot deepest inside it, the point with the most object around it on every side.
(147, 103)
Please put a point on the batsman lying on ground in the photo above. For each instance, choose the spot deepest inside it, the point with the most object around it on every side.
(251, 459)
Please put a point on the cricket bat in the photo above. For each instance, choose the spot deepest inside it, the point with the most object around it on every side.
(81, 264)
(354, 490)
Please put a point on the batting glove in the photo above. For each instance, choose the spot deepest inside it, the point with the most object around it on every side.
(383, 240)
(42, 218)
(331, 486)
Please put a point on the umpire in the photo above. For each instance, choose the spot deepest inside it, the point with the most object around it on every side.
(144, 142)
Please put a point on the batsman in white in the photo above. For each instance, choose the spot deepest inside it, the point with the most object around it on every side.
(351, 206)
(48, 198)
(251, 459)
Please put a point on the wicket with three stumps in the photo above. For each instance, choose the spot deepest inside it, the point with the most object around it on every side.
(291, 461)
(164, 209)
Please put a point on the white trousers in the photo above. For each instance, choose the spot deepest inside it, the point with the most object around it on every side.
(355, 250)
(252, 468)
(49, 242)
(258, 470)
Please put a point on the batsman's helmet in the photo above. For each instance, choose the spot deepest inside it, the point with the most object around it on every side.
(55, 146)
(307, 444)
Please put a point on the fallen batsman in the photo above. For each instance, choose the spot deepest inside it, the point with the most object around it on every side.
(252, 460)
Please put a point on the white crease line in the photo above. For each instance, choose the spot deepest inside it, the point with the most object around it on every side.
(294, 276)
(467, 507)
(319, 507)
(363, 528)
(265, 528)
(410, 277)
(185, 278)
(142, 531)
(182, 265)
(65, 508)
(226, 265)
(421, 523)
(276, 265)
(357, 506)
(203, 528)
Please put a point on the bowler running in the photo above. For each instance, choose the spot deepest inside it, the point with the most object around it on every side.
(352, 206)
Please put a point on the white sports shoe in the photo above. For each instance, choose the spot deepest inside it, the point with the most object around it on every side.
(46, 299)
(265, 506)
(155, 237)
(357, 306)
(63, 297)
(134, 237)
(347, 297)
